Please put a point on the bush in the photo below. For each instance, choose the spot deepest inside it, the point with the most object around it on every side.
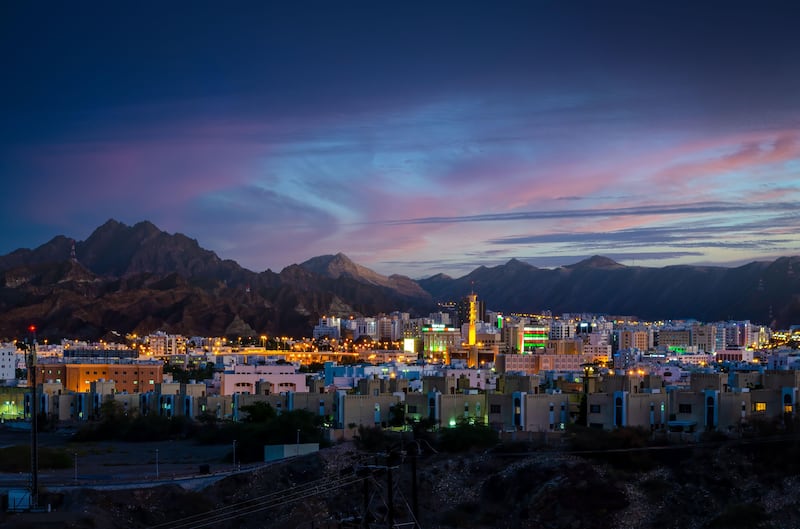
(117, 425)
(740, 515)
(371, 439)
(610, 446)
(18, 458)
(465, 436)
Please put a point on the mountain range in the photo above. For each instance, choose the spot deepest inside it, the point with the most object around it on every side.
(139, 279)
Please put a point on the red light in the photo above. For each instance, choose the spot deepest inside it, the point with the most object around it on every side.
(32, 328)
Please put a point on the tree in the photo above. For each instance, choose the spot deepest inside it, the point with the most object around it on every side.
(397, 415)
(260, 412)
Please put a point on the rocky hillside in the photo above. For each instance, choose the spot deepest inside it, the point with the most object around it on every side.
(730, 485)
(138, 279)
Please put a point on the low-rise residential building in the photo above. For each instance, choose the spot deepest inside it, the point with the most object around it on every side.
(242, 378)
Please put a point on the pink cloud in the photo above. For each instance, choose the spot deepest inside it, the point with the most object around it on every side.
(748, 154)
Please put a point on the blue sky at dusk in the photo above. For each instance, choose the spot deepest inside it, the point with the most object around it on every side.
(415, 137)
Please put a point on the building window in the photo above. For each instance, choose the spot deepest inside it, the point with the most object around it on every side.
(684, 408)
(759, 406)
(594, 408)
(494, 408)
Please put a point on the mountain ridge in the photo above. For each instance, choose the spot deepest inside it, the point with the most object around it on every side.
(140, 279)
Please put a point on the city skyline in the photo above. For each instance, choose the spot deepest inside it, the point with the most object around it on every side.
(414, 138)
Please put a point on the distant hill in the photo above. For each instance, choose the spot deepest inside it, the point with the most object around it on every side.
(764, 292)
(138, 279)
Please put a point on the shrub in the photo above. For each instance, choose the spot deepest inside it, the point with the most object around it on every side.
(465, 436)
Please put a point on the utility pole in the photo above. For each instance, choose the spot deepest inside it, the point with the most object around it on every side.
(390, 496)
(34, 422)
(414, 495)
(364, 519)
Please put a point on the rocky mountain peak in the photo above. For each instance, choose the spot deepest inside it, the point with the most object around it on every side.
(596, 261)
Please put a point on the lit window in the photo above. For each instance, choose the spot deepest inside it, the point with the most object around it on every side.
(759, 406)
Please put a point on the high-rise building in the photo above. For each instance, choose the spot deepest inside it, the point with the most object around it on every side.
(366, 327)
(562, 329)
(329, 326)
(465, 306)
(704, 337)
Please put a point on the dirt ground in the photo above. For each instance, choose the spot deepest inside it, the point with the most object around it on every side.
(104, 461)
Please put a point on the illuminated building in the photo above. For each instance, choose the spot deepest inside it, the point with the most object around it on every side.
(472, 315)
(438, 341)
(130, 377)
(534, 337)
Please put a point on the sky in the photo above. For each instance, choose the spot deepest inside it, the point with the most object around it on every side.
(415, 137)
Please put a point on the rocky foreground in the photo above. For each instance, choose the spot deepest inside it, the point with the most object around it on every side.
(725, 485)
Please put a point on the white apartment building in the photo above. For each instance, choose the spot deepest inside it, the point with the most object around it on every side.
(365, 327)
(562, 329)
(163, 344)
(8, 361)
(329, 326)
